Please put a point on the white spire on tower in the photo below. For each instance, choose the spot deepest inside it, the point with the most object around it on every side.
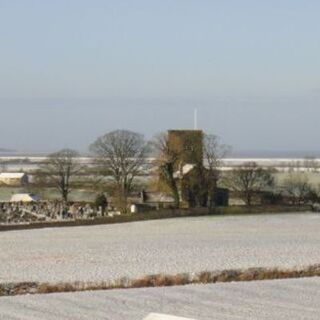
(195, 119)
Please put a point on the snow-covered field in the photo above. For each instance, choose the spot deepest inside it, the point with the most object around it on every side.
(275, 299)
(160, 246)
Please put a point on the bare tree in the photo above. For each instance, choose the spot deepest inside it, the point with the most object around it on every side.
(120, 155)
(165, 161)
(311, 164)
(250, 179)
(3, 166)
(214, 151)
(61, 167)
(298, 187)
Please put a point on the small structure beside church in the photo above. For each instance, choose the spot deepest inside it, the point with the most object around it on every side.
(25, 197)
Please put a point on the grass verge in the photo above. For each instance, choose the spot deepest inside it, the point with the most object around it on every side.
(161, 280)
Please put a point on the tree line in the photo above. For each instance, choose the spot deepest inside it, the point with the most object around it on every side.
(120, 156)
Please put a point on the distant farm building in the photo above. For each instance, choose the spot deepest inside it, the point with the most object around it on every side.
(14, 178)
(25, 197)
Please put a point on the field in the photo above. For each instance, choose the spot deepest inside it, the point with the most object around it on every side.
(313, 177)
(276, 299)
(169, 246)
(47, 193)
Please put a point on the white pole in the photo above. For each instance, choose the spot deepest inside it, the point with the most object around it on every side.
(195, 119)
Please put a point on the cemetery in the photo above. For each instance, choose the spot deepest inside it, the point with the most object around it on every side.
(21, 212)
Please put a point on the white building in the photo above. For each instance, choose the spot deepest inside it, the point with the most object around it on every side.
(14, 178)
(25, 197)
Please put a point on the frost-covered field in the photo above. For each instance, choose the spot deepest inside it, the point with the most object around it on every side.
(159, 246)
(275, 299)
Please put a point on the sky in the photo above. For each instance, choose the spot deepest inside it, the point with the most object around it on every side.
(73, 70)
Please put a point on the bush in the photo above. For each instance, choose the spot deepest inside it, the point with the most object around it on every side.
(271, 198)
(101, 201)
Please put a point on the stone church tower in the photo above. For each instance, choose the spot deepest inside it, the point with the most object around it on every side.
(187, 145)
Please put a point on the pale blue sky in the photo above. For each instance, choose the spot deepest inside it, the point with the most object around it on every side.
(72, 70)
